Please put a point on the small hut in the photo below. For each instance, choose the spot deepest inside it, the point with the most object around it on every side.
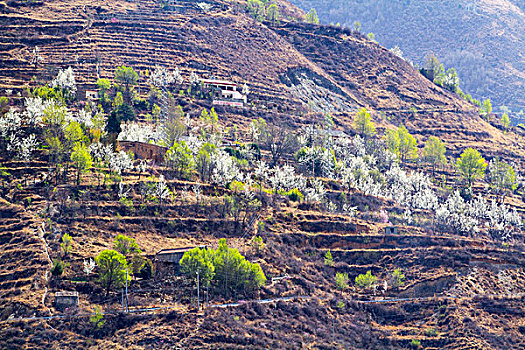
(167, 260)
(391, 230)
(65, 300)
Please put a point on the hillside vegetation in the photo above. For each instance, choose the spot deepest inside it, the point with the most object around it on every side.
(482, 40)
(349, 202)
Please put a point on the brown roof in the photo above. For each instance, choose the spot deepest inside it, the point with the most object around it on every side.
(178, 250)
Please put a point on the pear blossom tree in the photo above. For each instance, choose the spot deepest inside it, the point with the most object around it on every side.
(65, 81)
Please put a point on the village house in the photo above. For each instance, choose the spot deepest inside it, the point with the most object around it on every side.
(225, 93)
(167, 260)
(92, 95)
(143, 150)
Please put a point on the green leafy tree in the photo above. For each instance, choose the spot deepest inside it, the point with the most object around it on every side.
(126, 78)
(328, 259)
(201, 261)
(471, 165)
(81, 159)
(126, 112)
(400, 142)
(311, 17)
(363, 123)
(371, 37)
(365, 281)
(273, 14)
(434, 68)
(256, 9)
(234, 274)
(434, 152)
(113, 124)
(112, 269)
(173, 126)
(180, 159)
(203, 161)
(505, 120)
(126, 245)
(397, 278)
(357, 26)
(118, 101)
(67, 244)
(341, 281)
(487, 107)
(103, 87)
(502, 177)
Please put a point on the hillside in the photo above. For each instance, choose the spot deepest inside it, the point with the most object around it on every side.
(460, 252)
(482, 40)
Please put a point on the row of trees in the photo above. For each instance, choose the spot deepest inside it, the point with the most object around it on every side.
(470, 165)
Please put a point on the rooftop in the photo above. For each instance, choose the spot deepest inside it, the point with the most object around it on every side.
(218, 82)
(179, 250)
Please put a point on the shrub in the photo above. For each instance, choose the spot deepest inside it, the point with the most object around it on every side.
(365, 281)
(415, 344)
(398, 278)
(66, 244)
(58, 268)
(328, 259)
(341, 281)
(97, 319)
(146, 271)
(258, 244)
(295, 195)
(430, 332)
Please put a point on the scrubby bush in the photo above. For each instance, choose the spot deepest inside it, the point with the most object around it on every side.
(328, 259)
(58, 268)
(365, 281)
(341, 281)
(295, 195)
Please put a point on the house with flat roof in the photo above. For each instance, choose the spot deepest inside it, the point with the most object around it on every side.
(224, 92)
(66, 300)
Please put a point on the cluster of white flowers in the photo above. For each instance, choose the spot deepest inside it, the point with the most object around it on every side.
(194, 143)
(194, 78)
(34, 110)
(311, 156)
(381, 176)
(285, 179)
(22, 147)
(119, 162)
(83, 117)
(466, 216)
(123, 191)
(65, 80)
(10, 123)
(316, 192)
(224, 168)
(10, 131)
(89, 266)
(397, 51)
(162, 77)
(156, 189)
(140, 132)
(100, 152)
